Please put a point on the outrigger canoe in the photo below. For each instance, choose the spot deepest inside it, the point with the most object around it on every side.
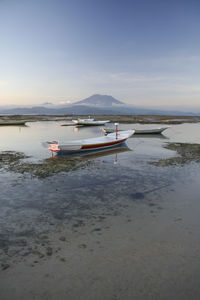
(102, 142)
(139, 131)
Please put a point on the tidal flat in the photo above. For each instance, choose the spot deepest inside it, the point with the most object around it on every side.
(123, 119)
(122, 224)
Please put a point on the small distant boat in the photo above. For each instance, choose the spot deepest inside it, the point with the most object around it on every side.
(12, 123)
(102, 142)
(139, 131)
(89, 122)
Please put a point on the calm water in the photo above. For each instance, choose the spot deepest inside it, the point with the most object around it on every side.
(29, 139)
(106, 185)
(123, 174)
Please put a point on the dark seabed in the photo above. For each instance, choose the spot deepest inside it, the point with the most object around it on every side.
(118, 224)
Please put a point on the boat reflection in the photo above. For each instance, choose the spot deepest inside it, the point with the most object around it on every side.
(81, 127)
(94, 154)
(151, 136)
(78, 127)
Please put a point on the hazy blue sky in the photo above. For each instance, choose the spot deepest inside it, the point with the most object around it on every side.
(142, 52)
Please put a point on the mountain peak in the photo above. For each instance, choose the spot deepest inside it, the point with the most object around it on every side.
(100, 100)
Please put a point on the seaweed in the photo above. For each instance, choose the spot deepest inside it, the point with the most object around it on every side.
(13, 161)
(186, 153)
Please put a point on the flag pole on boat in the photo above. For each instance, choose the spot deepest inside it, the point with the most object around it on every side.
(116, 125)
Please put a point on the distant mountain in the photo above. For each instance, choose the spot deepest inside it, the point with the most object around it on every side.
(100, 100)
(94, 105)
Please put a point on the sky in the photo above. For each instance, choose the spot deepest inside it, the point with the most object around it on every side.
(142, 52)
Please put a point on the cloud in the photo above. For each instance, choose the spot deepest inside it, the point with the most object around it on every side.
(65, 102)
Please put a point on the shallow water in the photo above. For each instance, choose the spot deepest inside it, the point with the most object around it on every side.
(29, 139)
(104, 186)
(122, 173)
(124, 169)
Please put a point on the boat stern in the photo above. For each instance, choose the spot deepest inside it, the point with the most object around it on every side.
(53, 147)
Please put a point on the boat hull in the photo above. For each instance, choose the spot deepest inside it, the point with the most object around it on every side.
(89, 150)
(102, 146)
(98, 152)
(66, 148)
(139, 131)
(91, 144)
(90, 122)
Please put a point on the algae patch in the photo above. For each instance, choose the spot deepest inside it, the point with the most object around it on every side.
(186, 153)
(10, 157)
(13, 161)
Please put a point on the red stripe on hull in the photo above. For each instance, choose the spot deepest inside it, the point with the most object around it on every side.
(102, 145)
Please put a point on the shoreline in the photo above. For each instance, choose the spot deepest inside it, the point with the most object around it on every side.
(123, 119)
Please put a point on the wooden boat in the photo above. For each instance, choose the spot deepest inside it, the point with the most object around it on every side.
(139, 131)
(89, 122)
(102, 142)
(12, 123)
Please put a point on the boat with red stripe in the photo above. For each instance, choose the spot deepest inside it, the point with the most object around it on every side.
(102, 142)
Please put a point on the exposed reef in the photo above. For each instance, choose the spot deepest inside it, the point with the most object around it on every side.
(14, 161)
(186, 154)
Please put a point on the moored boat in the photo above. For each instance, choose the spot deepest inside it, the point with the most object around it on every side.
(102, 142)
(139, 131)
(90, 122)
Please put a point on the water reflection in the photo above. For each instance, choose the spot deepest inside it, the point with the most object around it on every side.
(29, 139)
(86, 128)
(151, 136)
(87, 188)
(94, 154)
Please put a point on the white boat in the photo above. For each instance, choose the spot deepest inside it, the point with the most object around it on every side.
(102, 142)
(139, 131)
(89, 122)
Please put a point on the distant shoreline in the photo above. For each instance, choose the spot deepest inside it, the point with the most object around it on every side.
(123, 119)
